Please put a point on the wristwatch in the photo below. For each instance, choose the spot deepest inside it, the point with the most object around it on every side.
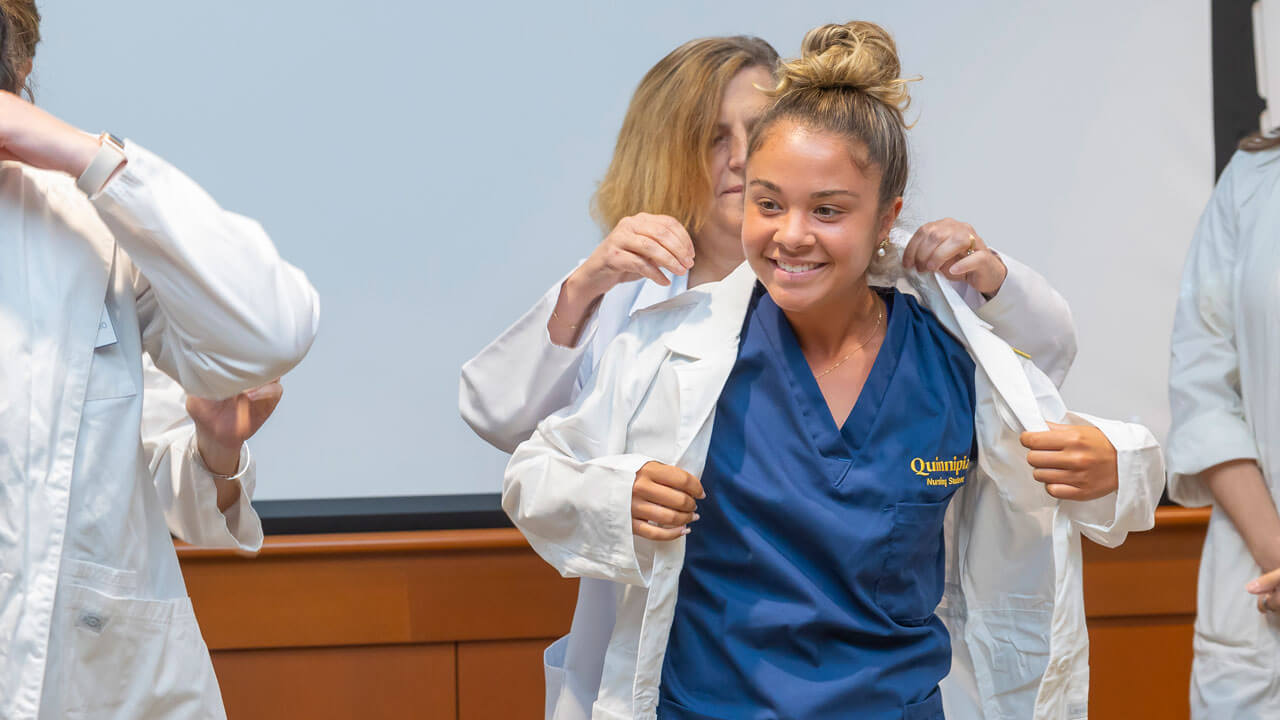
(109, 159)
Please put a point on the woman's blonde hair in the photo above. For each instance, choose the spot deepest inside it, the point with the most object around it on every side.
(660, 162)
(847, 82)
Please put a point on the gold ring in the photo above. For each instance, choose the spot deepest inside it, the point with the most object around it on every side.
(972, 240)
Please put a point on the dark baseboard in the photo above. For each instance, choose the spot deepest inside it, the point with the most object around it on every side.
(382, 514)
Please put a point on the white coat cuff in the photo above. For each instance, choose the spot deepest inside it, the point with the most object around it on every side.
(1140, 470)
(1195, 445)
(587, 533)
(128, 187)
(1013, 297)
(632, 556)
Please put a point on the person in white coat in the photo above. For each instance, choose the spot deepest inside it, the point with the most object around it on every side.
(1224, 443)
(589, 476)
(109, 255)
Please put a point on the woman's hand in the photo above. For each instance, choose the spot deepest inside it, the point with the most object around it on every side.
(32, 136)
(663, 501)
(223, 426)
(1267, 588)
(954, 249)
(1075, 462)
(640, 246)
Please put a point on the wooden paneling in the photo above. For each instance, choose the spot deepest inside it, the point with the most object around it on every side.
(394, 681)
(1140, 667)
(378, 588)
(1140, 599)
(452, 624)
(500, 679)
(1152, 573)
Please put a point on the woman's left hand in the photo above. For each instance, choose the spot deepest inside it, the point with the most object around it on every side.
(955, 249)
(32, 136)
(1075, 462)
(223, 426)
(1267, 588)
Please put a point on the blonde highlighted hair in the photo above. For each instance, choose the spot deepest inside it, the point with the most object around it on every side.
(660, 163)
(847, 82)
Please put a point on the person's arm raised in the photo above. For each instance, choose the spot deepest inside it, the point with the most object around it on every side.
(1019, 303)
(640, 246)
(535, 366)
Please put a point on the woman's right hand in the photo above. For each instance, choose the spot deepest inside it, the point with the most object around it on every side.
(664, 501)
(640, 246)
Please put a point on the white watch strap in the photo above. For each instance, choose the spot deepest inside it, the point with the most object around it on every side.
(109, 159)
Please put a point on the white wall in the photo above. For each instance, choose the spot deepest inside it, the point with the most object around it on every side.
(430, 168)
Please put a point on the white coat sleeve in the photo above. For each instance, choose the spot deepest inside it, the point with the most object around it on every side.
(1140, 469)
(522, 377)
(1029, 314)
(184, 486)
(1208, 425)
(220, 311)
(568, 487)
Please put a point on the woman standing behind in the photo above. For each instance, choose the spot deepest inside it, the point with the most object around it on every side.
(1224, 445)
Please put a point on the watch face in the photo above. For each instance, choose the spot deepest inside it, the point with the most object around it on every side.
(118, 142)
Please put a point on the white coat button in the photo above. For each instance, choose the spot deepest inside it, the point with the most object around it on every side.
(93, 621)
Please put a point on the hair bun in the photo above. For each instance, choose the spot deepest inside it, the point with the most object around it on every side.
(859, 55)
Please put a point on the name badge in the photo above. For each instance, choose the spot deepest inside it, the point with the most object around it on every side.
(106, 331)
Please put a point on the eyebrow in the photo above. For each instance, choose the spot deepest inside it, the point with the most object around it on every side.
(829, 193)
(820, 194)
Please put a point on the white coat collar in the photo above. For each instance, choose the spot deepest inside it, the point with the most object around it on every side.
(716, 318)
(714, 323)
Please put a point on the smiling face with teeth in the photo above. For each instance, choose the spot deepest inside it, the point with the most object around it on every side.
(813, 219)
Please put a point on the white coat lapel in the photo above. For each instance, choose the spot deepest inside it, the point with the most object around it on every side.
(67, 256)
(708, 340)
(992, 354)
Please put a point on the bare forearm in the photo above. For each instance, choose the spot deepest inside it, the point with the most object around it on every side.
(221, 460)
(573, 309)
(1240, 490)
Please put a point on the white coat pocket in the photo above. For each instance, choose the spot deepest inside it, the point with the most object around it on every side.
(133, 658)
(110, 375)
(1012, 644)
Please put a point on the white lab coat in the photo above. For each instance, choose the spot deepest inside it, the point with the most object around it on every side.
(522, 377)
(1013, 602)
(94, 616)
(1225, 395)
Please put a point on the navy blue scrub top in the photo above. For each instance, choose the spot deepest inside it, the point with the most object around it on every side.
(810, 583)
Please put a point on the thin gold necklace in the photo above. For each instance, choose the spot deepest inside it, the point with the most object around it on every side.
(879, 318)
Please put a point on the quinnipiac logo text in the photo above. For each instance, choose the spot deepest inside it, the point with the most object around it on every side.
(941, 473)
